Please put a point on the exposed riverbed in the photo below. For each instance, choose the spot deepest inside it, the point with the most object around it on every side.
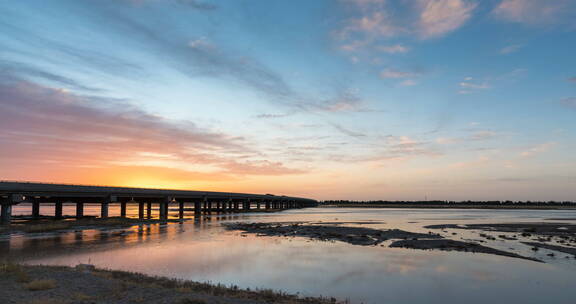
(364, 269)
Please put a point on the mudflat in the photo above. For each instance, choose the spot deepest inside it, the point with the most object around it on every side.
(369, 237)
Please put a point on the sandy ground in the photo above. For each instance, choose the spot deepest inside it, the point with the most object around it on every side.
(84, 285)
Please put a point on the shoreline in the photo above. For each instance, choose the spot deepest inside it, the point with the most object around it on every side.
(87, 284)
(416, 206)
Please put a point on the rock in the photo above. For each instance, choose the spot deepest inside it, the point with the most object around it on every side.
(87, 268)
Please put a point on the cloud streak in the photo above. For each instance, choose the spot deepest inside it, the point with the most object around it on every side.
(50, 126)
(536, 12)
(372, 21)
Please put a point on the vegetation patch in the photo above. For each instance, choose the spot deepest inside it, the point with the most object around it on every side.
(41, 285)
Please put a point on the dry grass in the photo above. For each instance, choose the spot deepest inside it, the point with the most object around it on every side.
(16, 271)
(46, 301)
(79, 296)
(192, 301)
(266, 295)
(37, 285)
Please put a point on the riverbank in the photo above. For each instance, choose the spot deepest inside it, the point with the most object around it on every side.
(85, 284)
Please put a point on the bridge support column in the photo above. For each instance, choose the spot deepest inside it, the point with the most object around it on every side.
(164, 207)
(209, 206)
(197, 207)
(267, 205)
(247, 205)
(236, 205)
(123, 209)
(104, 207)
(79, 210)
(149, 210)
(35, 209)
(141, 210)
(58, 210)
(181, 210)
(6, 215)
(258, 204)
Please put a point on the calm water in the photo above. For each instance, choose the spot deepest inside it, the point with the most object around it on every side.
(201, 250)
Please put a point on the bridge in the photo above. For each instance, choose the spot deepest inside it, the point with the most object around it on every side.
(13, 193)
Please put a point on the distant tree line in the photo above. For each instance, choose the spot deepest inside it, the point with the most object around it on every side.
(457, 203)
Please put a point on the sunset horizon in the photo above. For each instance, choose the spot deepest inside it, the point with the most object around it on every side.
(357, 99)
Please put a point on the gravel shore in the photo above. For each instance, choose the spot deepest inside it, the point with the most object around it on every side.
(84, 284)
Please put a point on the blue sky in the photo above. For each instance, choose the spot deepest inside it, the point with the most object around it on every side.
(353, 99)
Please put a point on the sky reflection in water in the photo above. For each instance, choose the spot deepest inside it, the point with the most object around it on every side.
(201, 250)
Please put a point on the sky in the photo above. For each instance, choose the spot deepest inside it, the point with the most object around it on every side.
(335, 99)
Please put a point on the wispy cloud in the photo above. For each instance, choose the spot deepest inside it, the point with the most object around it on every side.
(536, 12)
(195, 4)
(538, 149)
(345, 101)
(26, 71)
(270, 115)
(348, 132)
(372, 21)
(395, 74)
(439, 17)
(393, 49)
(478, 135)
(193, 57)
(569, 102)
(509, 49)
(468, 85)
(46, 125)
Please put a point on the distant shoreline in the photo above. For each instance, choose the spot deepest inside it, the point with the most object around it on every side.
(446, 206)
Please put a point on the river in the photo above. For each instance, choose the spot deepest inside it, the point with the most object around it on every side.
(202, 250)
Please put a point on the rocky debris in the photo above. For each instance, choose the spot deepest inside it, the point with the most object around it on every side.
(352, 235)
(547, 229)
(451, 245)
(569, 250)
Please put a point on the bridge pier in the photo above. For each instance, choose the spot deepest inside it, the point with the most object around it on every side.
(58, 210)
(35, 209)
(162, 208)
(181, 210)
(197, 207)
(104, 207)
(149, 210)
(122, 209)
(141, 210)
(267, 205)
(247, 205)
(6, 215)
(205, 205)
(79, 210)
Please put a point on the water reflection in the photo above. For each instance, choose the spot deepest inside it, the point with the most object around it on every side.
(200, 249)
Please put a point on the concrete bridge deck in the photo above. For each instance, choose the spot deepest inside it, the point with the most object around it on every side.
(12, 193)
